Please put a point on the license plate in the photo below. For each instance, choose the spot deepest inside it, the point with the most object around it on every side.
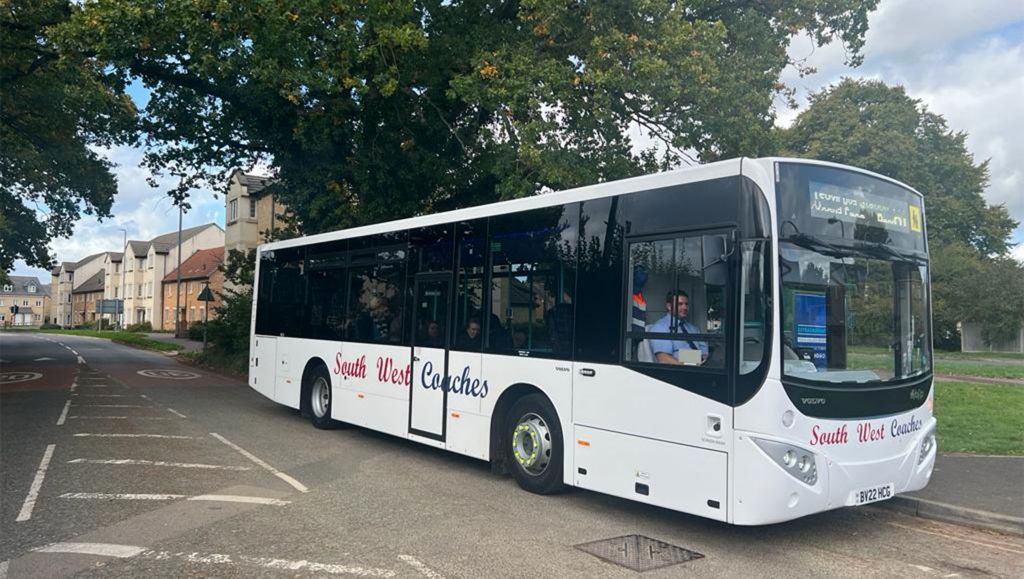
(872, 494)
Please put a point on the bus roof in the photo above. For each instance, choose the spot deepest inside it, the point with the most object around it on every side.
(684, 175)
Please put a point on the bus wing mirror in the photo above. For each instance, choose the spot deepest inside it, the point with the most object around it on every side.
(715, 258)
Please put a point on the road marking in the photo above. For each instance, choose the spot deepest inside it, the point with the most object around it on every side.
(102, 395)
(15, 377)
(423, 569)
(102, 549)
(176, 413)
(955, 538)
(134, 461)
(239, 499)
(77, 417)
(168, 497)
(37, 483)
(75, 352)
(111, 406)
(121, 496)
(171, 436)
(64, 414)
(43, 359)
(3, 570)
(294, 483)
(81, 360)
(168, 374)
(269, 563)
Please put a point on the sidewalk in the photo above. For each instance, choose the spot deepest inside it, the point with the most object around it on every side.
(188, 345)
(974, 490)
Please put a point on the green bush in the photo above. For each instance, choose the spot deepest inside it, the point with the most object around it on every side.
(195, 332)
(49, 326)
(141, 327)
(86, 326)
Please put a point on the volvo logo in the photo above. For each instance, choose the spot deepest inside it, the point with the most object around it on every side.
(813, 401)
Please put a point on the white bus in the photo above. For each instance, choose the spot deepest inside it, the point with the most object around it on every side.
(747, 341)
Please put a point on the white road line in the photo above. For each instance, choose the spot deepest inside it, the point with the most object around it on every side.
(73, 386)
(176, 413)
(119, 417)
(269, 563)
(168, 497)
(103, 549)
(171, 436)
(423, 569)
(64, 413)
(134, 461)
(37, 483)
(146, 397)
(75, 352)
(120, 496)
(955, 538)
(239, 499)
(96, 385)
(294, 483)
(101, 395)
(110, 406)
(3, 570)
(81, 360)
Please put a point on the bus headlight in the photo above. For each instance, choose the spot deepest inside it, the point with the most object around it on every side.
(926, 446)
(801, 464)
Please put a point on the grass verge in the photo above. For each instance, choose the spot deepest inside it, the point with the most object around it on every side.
(980, 418)
(1013, 371)
(234, 365)
(126, 338)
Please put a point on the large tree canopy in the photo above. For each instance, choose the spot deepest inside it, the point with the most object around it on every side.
(870, 125)
(54, 108)
(369, 110)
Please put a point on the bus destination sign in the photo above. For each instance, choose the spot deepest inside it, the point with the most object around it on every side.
(831, 201)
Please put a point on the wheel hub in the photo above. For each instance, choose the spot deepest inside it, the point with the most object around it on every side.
(321, 397)
(531, 444)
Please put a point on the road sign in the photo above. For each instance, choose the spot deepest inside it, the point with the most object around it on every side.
(206, 295)
(109, 306)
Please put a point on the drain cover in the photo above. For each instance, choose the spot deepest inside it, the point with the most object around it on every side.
(638, 552)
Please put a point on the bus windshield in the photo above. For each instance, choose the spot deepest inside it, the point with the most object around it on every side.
(855, 301)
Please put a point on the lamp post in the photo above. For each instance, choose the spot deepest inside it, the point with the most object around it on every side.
(177, 290)
(124, 255)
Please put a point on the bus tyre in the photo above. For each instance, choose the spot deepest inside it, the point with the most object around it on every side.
(321, 397)
(534, 439)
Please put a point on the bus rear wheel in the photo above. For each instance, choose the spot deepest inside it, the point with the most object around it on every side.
(535, 444)
(320, 399)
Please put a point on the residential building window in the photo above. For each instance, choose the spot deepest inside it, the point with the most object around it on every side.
(192, 314)
(2, 318)
(117, 267)
(252, 208)
(141, 287)
(8, 288)
(39, 303)
(31, 289)
(233, 210)
(24, 302)
(38, 317)
(115, 292)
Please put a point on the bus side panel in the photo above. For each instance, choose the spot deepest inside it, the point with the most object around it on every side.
(261, 372)
(370, 380)
(618, 399)
(668, 475)
(552, 377)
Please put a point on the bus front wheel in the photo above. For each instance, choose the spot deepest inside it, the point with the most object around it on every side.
(535, 446)
(321, 397)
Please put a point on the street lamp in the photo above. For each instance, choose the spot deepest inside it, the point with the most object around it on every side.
(124, 255)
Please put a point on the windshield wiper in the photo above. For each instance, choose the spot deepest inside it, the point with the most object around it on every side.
(817, 244)
(881, 249)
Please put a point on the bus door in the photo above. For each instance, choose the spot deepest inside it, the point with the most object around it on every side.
(428, 393)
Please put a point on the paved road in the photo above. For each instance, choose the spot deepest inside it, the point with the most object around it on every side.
(152, 476)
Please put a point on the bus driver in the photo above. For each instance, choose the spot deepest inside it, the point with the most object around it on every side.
(667, 351)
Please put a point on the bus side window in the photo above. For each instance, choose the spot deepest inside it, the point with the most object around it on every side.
(676, 313)
(532, 282)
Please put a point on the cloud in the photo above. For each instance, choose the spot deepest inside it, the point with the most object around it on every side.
(143, 211)
(964, 61)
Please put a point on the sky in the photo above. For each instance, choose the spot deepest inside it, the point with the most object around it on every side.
(963, 60)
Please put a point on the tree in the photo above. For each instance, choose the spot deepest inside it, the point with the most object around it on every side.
(57, 108)
(375, 110)
(870, 125)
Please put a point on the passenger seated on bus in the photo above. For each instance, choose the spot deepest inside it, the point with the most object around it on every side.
(432, 337)
(470, 338)
(677, 303)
